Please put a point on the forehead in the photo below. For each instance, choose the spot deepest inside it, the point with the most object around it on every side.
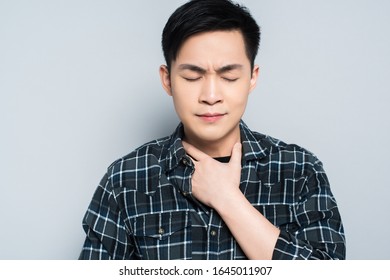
(216, 47)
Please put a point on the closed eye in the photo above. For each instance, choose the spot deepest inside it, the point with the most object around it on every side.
(230, 79)
(191, 79)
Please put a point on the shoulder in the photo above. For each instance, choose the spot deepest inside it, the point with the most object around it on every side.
(284, 152)
(291, 162)
(151, 149)
(144, 163)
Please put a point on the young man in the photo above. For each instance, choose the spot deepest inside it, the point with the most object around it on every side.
(214, 189)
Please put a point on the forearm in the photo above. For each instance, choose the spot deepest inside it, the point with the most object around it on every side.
(253, 232)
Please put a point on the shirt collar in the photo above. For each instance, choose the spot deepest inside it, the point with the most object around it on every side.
(254, 146)
(176, 151)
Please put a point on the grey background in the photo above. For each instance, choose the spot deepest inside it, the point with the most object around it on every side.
(79, 88)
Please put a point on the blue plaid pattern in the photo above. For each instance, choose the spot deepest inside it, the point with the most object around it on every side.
(143, 207)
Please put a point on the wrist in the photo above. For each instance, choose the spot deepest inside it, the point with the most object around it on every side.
(228, 201)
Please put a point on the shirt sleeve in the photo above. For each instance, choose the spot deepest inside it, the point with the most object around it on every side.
(318, 231)
(106, 235)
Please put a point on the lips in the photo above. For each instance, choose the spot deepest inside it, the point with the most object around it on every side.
(211, 117)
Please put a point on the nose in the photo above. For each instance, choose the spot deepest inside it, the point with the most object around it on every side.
(210, 92)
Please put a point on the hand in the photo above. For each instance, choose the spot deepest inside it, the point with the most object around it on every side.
(217, 184)
(213, 182)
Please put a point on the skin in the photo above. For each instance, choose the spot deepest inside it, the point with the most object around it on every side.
(210, 82)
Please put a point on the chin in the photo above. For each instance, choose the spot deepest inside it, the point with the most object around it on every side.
(210, 132)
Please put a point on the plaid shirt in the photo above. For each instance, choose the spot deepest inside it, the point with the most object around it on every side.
(143, 208)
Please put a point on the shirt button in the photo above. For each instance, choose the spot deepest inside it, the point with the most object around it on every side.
(161, 231)
(185, 161)
(213, 233)
(185, 193)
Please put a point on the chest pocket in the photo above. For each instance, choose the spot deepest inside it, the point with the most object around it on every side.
(162, 236)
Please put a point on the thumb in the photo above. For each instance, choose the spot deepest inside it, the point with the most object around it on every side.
(236, 154)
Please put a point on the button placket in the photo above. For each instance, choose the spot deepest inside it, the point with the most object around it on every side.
(212, 232)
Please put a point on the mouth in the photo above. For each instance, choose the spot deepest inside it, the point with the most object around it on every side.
(211, 117)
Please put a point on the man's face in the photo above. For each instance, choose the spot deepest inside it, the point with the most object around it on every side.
(210, 81)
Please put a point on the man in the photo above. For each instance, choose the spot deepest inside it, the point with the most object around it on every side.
(214, 189)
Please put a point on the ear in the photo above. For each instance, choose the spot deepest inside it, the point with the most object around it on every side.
(165, 79)
(255, 75)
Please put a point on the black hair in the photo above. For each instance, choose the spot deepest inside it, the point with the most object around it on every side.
(198, 16)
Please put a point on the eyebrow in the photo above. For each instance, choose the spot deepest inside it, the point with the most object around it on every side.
(201, 70)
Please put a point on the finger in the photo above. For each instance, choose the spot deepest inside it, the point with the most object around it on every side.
(236, 154)
(193, 152)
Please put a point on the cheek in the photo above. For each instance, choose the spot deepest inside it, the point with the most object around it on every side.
(184, 96)
(182, 104)
(237, 97)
